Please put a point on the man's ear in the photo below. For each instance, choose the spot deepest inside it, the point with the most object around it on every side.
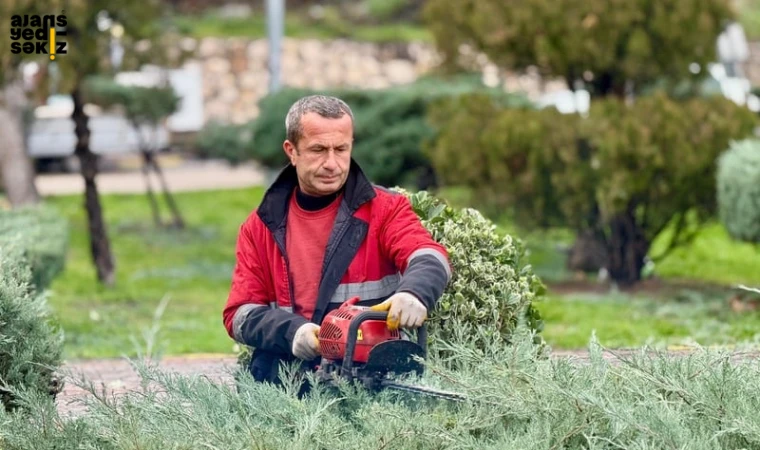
(290, 151)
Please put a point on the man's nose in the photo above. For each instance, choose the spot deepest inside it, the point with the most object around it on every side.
(330, 159)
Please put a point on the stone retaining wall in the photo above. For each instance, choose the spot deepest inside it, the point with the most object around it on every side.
(235, 71)
(752, 67)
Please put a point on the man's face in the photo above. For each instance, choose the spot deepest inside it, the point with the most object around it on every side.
(323, 155)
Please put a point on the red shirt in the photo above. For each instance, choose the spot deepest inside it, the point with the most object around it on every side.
(305, 241)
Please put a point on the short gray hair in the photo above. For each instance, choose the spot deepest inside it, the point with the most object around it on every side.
(324, 105)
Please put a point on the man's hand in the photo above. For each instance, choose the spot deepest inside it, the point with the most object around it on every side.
(404, 309)
(305, 342)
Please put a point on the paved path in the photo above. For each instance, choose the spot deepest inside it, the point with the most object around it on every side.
(118, 377)
(181, 176)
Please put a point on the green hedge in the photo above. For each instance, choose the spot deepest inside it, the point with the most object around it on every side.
(510, 157)
(230, 142)
(42, 234)
(32, 252)
(390, 128)
(739, 190)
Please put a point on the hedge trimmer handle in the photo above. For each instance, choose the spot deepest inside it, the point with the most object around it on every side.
(353, 331)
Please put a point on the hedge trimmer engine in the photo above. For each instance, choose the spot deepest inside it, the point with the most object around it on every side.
(356, 344)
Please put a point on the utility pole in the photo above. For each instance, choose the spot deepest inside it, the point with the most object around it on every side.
(275, 26)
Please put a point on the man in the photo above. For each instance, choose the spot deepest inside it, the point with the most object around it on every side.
(322, 235)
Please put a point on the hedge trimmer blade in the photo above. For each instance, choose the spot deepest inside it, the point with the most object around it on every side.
(398, 357)
(446, 395)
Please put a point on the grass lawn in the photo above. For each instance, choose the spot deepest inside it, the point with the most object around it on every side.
(254, 27)
(192, 269)
(620, 320)
(711, 257)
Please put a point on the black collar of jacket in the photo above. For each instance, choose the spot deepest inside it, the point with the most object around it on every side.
(274, 206)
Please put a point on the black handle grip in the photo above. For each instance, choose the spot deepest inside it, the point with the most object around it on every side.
(353, 330)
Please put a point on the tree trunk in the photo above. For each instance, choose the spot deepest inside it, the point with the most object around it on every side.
(99, 244)
(627, 248)
(148, 185)
(17, 169)
(149, 161)
(588, 253)
(608, 83)
(178, 222)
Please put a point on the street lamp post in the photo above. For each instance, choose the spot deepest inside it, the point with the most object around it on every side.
(275, 21)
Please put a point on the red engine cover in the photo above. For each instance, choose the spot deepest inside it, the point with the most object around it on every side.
(333, 333)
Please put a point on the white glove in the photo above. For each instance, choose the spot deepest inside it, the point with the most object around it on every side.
(305, 342)
(404, 309)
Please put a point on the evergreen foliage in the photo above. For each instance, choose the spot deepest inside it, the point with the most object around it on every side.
(517, 399)
(32, 251)
(492, 289)
(738, 195)
(623, 173)
(141, 105)
(611, 46)
(229, 142)
(41, 234)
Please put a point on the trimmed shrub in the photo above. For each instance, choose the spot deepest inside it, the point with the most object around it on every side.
(492, 289)
(143, 105)
(30, 347)
(42, 235)
(624, 172)
(390, 126)
(738, 194)
(225, 141)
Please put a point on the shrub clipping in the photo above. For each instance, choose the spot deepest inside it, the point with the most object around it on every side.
(739, 190)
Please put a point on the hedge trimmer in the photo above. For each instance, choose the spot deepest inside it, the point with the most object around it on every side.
(356, 345)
